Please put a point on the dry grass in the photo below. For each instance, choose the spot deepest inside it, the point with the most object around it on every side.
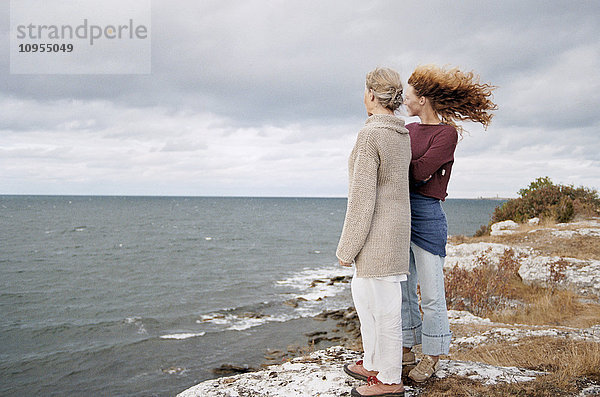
(583, 247)
(462, 387)
(542, 240)
(565, 360)
(548, 307)
(569, 364)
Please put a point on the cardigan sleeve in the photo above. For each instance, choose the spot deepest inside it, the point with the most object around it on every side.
(440, 152)
(361, 200)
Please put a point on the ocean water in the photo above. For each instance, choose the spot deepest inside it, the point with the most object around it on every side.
(143, 296)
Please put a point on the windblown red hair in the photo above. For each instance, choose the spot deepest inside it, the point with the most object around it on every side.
(454, 95)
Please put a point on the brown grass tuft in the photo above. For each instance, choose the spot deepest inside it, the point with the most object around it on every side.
(485, 288)
(455, 386)
(583, 247)
(548, 307)
(566, 360)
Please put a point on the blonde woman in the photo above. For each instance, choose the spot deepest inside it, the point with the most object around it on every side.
(376, 235)
(439, 97)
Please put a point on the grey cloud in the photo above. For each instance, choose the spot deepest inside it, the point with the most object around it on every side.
(36, 153)
(183, 146)
(306, 60)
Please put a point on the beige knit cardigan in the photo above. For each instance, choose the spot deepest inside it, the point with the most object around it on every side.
(376, 233)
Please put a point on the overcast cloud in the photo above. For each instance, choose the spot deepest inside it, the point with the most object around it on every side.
(264, 98)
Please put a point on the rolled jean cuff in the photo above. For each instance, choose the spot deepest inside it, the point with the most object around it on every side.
(435, 345)
(411, 336)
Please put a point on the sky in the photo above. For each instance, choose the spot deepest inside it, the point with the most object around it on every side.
(265, 98)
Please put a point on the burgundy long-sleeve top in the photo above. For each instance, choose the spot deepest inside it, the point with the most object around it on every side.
(432, 158)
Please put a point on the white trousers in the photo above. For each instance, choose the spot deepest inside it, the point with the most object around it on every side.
(378, 303)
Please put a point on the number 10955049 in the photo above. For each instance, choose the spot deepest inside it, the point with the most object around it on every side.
(46, 47)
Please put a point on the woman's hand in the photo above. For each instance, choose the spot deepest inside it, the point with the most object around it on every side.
(345, 264)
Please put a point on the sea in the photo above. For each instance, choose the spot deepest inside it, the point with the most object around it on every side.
(145, 296)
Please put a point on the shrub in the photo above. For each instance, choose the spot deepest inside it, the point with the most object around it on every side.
(544, 199)
(539, 183)
(485, 288)
(483, 231)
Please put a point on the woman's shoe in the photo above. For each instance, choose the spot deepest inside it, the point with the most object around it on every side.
(377, 389)
(424, 370)
(359, 372)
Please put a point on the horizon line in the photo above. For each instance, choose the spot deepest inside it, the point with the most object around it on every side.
(218, 196)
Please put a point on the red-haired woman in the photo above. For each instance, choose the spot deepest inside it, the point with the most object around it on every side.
(439, 97)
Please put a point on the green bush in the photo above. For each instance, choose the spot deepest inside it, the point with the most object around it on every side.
(544, 199)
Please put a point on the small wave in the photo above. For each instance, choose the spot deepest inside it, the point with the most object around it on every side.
(304, 294)
(304, 279)
(240, 322)
(137, 322)
(182, 336)
(308, 293)
(318, 284)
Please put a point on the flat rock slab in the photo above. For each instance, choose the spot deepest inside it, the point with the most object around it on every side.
(485, 373)
(321, 374)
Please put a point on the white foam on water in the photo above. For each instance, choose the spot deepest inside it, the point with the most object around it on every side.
(245, 323)
(315, 287)
(241, 322)
(303, 278)
(182, 335)
(308, 293)
(215, 318)
(311, 309)
(316, 283)
(137, 321)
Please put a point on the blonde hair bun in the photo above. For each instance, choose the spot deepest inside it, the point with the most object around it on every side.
(386, 86)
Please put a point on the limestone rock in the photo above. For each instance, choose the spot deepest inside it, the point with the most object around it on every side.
(503, 228)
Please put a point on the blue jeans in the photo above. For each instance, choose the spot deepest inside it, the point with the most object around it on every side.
(433, 332)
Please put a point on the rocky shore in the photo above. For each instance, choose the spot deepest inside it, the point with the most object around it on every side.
(316, 369)
(320, 374)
